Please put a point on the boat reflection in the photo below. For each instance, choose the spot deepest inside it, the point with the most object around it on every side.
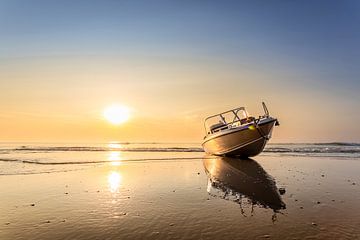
(240, 178)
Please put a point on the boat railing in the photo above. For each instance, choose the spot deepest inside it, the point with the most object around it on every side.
(223, 124)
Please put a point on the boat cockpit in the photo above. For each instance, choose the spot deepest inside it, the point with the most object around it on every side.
(230, 119)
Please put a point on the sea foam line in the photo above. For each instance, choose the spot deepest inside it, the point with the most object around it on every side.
(101, 161)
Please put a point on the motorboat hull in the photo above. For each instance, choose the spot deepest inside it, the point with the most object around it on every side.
(244, 141)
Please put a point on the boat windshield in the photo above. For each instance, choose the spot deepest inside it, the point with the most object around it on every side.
(226, 120)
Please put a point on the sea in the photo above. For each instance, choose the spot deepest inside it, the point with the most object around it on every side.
(35, 158)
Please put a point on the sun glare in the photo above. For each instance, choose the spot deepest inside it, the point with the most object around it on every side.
(116, 114)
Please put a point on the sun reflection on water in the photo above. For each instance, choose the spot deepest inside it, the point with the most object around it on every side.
(114, 181)
(115, 158)
(114, 145)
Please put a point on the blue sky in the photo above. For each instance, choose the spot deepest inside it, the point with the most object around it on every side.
(320, 36)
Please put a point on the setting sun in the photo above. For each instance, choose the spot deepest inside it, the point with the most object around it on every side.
(116, 114)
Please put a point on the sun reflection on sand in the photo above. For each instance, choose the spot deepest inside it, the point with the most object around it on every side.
(114, 181)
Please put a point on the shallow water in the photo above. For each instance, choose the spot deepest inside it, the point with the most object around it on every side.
(29, 158)
(115, 194)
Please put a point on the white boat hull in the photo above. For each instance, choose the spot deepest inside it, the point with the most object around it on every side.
(245, 141)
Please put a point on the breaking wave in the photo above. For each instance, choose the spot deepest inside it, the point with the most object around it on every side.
(47, 162)
(310, 149)
(333, 147)
(338, 144)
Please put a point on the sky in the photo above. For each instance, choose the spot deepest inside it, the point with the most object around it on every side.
(173, 63)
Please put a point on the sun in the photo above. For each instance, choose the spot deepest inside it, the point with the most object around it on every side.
(116, 114)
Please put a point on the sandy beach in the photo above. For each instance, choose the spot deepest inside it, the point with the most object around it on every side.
(267, 197)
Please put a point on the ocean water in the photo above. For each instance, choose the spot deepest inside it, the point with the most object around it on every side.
(33, 158)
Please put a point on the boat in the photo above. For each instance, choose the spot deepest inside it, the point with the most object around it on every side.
(236, 133)
(245, 179)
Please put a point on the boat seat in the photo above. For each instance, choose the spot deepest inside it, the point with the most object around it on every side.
(247, 120)
(217, 126)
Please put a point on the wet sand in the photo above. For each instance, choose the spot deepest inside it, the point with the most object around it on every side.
(268, 197)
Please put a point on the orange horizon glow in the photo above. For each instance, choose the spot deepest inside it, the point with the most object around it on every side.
(49, 110)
